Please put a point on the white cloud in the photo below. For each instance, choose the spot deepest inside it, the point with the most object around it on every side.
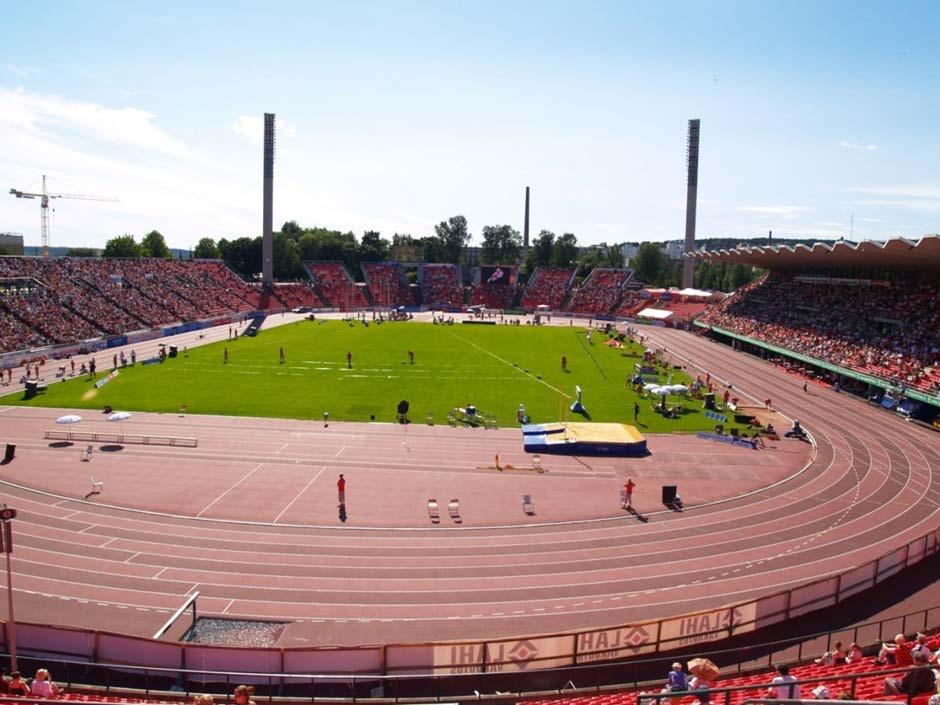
(251, 127)
(51, 115)
(928, 206)
(785, 211)
(860, 147)
(929, 191)
(21, 71)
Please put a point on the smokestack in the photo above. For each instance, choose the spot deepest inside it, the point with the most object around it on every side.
(267, 225)
(525, 227)
(691, 197)
(770, 236)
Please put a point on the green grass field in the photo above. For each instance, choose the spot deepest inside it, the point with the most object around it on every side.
(496, 368)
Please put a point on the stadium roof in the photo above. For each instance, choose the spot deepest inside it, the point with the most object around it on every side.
(868, 254)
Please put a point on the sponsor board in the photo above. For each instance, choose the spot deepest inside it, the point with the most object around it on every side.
(504, 656)
(610, 644)
(707, 626)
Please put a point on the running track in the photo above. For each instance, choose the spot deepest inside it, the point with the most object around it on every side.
(873, 485)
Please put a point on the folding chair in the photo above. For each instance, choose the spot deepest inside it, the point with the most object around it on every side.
(528, 504)
(96, 486)
(433, 513)
(537, 463)
(453, 508)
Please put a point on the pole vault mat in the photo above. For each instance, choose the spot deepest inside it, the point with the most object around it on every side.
(611, 439)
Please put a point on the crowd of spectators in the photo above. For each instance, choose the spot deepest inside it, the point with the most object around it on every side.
(295, 295)
(441, 285)
(548, 286)
(387, 283)
(633, 302)
(335, 286)
(888, 331)
(45, 300)
(496, 294)
(599, 293)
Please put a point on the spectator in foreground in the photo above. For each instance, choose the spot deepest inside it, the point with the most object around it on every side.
(17, 686)
(676, 681)
(243, 695)
(855, 653)
(920, 646)
(836, 657)
(784, 686)
(202, 700)
(897, 653)
(914, 682)
(42, 686)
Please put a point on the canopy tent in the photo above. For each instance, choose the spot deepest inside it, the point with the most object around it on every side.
(656, 313)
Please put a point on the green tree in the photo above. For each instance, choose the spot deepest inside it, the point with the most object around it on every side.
(454, 237)
(650, 263)
(122, 246)
(81, 252)
(602, 255)
(539, 253)
(433, 249)
(565, 250)
(153, 245)
(292, 230)
(373, 247)
(501, 244)
(287, 264)
(242, 254)
(206, 249)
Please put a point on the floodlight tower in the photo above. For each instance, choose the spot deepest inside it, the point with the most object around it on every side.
(691, 197)
(267, 225)
(525, 227)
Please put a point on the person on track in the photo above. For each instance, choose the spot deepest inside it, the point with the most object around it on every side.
(341, 491)
(628, 488)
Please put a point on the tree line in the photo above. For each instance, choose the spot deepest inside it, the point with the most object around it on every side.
(501, 244)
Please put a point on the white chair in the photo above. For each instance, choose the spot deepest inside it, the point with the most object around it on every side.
(96, 486)
(433, 512)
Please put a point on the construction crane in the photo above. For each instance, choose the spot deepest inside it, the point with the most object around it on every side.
(45, 197)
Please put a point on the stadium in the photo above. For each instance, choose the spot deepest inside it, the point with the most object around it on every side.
(435, 579)
(416, 480)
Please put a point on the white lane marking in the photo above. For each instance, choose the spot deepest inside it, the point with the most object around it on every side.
(243, 478)
(291, 504)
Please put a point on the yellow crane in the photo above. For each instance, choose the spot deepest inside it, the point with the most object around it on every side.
(45, 197)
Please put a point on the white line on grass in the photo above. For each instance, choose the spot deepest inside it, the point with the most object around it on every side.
(298, 495)
(245, 477)
(506, 362)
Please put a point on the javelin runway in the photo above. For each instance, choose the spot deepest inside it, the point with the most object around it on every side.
(579, 563)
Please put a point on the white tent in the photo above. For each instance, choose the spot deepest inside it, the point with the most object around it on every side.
(654, 313)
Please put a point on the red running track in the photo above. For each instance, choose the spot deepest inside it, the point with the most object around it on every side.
(872, 486)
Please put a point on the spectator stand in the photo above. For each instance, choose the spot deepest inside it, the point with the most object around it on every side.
(600, 293)
(548, 286)
(441, 286)
(335, 286)
(388, 284)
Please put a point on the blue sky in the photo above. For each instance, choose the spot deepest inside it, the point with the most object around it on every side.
(394, 116)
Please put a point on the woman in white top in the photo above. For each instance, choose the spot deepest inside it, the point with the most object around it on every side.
(42, 686)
